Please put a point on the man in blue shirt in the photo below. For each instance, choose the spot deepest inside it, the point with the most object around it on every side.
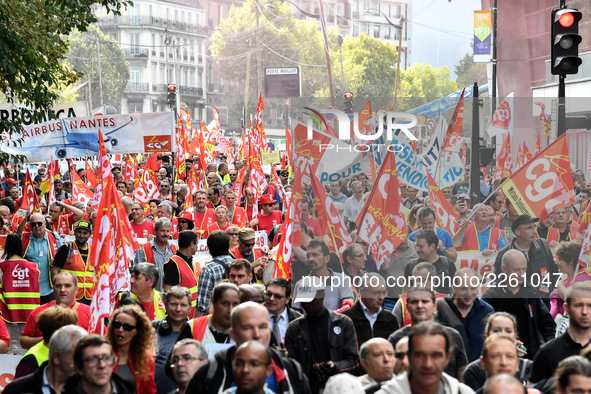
(426, 221)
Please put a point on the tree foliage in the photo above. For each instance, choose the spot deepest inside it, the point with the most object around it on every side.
(33, 46)
(469, 72)
(422, 83)
(114, 69)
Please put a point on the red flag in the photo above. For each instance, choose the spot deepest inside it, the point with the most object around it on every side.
(90, 175)
(80, 192)
(261, 141)
(381, 221)
(544, 118)
(288, 146)
(257, 183)
(130, 168)
(30, 201)
(544, 184)
(191, 189)
(149, 180)
(520, 158)
(278, 185)
(114, 244)
(526, 154)
(103, 172)
(216, 130)
(538, 147)
(51, 193)
(283, 263)
(453, 135)
(364, 125)
(445, 215)
(504, 160)
(336, 235)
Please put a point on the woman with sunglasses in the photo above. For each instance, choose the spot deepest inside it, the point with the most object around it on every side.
(232, 231)
(132, 337)
(268, 217)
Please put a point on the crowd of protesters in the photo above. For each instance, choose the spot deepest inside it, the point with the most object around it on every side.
(229, 326)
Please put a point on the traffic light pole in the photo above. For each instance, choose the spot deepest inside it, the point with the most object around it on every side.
(475, 151)
(561, 125)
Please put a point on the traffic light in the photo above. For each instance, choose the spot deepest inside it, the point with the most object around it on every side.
(349, 103)
(171, 96)
(565, 41)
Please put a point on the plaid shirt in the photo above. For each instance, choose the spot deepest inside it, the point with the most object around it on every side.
(210, 275)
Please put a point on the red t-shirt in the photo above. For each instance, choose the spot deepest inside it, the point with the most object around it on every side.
(266, 223)
(249, 213)
(144, 229)
(82, 310)
(314, 224)
(65, 224)
(202, 220)
(4, 332)
(214, 227)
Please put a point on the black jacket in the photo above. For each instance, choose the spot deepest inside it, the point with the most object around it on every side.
(74, 385)
(215, 375)
(385, 324)
(27, 384)
(535, 325)
(340, 339)
(539, 263)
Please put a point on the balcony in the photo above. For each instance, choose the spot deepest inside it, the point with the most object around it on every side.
(137, 87)
(159, 88)
(136, 52)
(155, 22)
(190, 91)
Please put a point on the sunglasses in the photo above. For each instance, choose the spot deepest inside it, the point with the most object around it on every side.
(183, 221)
(276, 296)
(126, 326)
(399, 355)
(36, 224)
(268, 205)
(248, 245)
(233, 234)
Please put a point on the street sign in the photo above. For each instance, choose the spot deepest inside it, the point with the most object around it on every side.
(283, 82)
(329, 116)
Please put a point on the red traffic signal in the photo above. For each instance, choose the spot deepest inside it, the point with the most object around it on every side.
(348, 96)
(171, 96)
(567, 19)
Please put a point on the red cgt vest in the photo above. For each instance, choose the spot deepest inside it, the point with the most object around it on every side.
(471, 239)
(19, 290)
(188, 279)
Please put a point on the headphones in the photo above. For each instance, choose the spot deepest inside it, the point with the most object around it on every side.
(164, 328)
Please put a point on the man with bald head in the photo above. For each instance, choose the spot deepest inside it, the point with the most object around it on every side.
(465, 312)
(377, 357)
(40, 246)
(503, 384)
(249, 322)
(251, 368)
(535, 325)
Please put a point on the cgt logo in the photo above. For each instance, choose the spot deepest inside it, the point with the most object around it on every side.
(20, 273)
(390, 121)
(157, 143)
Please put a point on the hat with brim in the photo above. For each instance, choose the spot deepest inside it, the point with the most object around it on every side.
(266, 199)
(308, 288)
(246, 234)
(522, 219)
(187, 216)
(84, 225)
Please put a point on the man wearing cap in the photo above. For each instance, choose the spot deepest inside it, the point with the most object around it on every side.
(462, 206)
(203, 216)
(63, 223)
(323, 342)
(246, 249)
(73, 257)
(185, 222)
(268, 217)
(540, 261)
(140, 225)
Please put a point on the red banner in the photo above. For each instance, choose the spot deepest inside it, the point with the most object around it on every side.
(80, 192)
(381, 222)
(90, 175)
(504, 160)
(544, 184)
(283, 263)
(30, 201)
(445, 215)
(149, 180)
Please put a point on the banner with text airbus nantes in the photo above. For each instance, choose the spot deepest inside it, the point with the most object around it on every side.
(75, 137)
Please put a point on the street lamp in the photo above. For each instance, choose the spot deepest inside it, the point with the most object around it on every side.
(399, 27)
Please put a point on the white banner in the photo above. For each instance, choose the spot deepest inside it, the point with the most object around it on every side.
(77, 137)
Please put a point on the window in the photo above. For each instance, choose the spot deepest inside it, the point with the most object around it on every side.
(154, 75)
(192, 78)
(376, 31)
(134, 15)
(134, 40)
(150, 16)
(161, 77)
(355, 30)
(220, 13)
(199, 78)
(134, 75)
(395, 11)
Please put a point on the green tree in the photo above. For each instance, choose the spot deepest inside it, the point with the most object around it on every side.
(114, 69)
(33, 46)
(468, 72)
(422, 83)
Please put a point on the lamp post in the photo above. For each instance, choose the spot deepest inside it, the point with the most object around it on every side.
(399, 27)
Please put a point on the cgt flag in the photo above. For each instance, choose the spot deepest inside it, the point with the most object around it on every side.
(544, 184)
(444, 213)
(30, 202)
(283, 263)
(381, 221)
(504, 160)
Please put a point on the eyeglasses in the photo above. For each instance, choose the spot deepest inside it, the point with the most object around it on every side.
(359, 255)
(126, 326)
(187, 358)
(399, 355)
(209, 195)
(94, 360)
(233, 234)
(248, 245)
(183, 221)
(36, 224)
(278, 297)
(233, 174)
(164, 186)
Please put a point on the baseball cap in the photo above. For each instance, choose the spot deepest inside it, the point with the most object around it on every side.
(10, 181)
(307, 288)
(84, 224)
(522, 219)
(463, 196)
(246, 234)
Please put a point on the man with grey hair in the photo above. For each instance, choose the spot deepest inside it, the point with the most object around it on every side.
(52, 375)
(249, 322)
(186, 357)
(158, 250)
(353, 204)
(165, 209)
(377, 358)
(127, 203)
(144, 277)
(369, 318)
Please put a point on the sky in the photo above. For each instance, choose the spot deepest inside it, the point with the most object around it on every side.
(441, 31)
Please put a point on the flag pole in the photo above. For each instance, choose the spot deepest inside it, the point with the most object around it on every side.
(482, 203)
